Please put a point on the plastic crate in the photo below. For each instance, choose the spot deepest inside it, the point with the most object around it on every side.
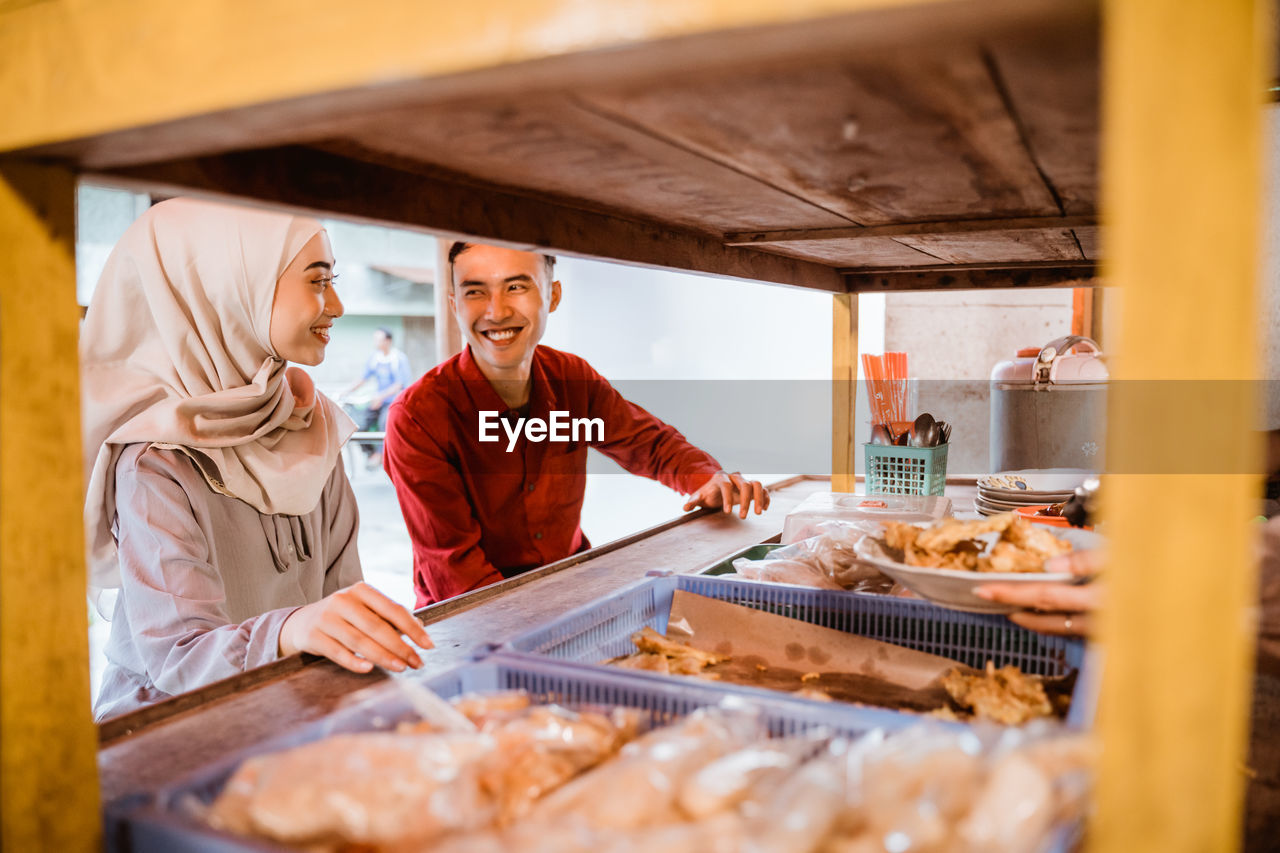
(165, 822)
(603, 629)
(893, 470)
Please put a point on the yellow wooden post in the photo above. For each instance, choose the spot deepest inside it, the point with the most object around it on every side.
(844, 384)
(448, 335)
(48, 744)
(1183, 98)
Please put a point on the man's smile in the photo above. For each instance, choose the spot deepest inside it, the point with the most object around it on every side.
(502, 336)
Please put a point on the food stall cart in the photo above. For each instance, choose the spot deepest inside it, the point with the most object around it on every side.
(849, 146)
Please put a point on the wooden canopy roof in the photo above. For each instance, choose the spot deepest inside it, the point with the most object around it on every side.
(919, 148)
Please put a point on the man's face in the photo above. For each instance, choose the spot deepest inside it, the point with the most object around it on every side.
(501, 299)
(381, 342)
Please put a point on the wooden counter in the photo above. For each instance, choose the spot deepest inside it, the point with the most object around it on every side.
(152, 747)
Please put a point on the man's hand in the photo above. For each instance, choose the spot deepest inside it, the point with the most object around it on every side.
(375, 404)
(355, 628)
(724, 490)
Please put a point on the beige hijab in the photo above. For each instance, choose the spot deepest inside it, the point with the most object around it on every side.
(176, 351)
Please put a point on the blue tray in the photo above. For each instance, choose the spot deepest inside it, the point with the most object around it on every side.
(603, 629)
(164, 823)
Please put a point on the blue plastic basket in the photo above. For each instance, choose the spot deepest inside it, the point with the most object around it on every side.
(603, 629)
(165, 822)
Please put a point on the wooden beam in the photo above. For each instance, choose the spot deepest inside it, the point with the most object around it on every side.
(324, 183)
(844, 391)
(973, 277)
(1182, 162)
(48, 769)
(72, 69)
(914, 229)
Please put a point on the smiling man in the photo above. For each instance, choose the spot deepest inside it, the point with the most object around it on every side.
(488, 451)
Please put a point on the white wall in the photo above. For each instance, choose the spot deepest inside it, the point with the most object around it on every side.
(666, 338)
(954, 338)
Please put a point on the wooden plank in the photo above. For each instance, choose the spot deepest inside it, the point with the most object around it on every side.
(998, 246)
(324, 183)
(976, 277)
(47, 767)
(909, 229)
(1089, 240)
(208, 77)
(901, 139)
(76, 69)
(877, 252)
(1058, 111)
(1183, 154)
(919, 244)
(844, 391)
(162, 751)
(555, 147)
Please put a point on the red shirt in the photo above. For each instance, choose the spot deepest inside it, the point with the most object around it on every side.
(477, 513)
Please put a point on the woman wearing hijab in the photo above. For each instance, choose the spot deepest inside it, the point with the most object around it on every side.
(217, 505)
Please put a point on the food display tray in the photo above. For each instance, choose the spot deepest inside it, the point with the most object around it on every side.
(167, 821)
(603, 629)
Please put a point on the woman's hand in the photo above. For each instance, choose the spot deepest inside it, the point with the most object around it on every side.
(723, 490)
(1054, 608)
(355, 628)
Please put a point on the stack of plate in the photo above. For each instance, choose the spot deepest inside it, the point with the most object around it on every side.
(1011, 490)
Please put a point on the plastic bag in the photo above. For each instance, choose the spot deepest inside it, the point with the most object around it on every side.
(640, 787)
(795, 572)
(938, 790)
(366, 788)
(414, 784)
(826, 561)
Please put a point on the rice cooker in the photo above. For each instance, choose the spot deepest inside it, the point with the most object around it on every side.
(1049, 409)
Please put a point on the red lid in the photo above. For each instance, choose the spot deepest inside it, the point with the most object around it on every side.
(1028, 352)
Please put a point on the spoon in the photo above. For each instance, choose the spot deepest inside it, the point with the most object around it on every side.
(924, 432)
(880, 434)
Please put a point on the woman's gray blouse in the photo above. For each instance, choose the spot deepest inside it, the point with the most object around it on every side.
(207, 580)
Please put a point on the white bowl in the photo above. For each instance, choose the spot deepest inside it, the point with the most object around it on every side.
(954, 589)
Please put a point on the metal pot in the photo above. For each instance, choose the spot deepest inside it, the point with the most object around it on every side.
(1050, 411)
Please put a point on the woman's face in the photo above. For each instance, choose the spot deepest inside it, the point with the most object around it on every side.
(306, 304)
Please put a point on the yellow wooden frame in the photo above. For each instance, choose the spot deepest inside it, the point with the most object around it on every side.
(1182, 150)
(48, 771)
(1185, 85)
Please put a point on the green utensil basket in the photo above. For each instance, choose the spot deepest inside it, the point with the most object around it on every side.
(893, 470)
